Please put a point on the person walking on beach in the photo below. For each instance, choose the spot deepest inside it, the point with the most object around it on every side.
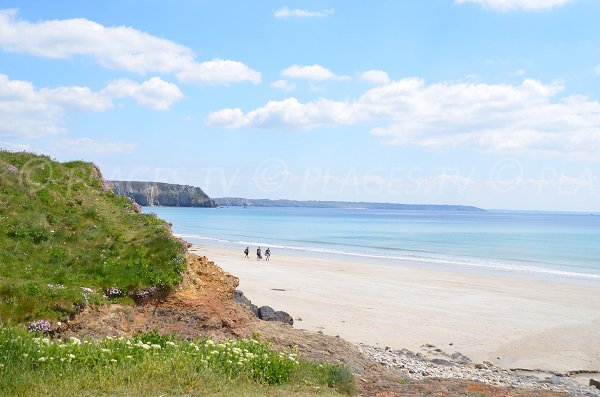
(246, 251)
(258, 254)
(267, 254)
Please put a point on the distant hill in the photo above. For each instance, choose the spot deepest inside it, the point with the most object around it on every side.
(242, 202)
(162, 194)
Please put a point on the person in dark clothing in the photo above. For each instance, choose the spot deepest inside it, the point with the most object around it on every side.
(247, 251)
(258, 254)
(267, 254)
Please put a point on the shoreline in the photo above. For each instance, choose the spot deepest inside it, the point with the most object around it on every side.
(507, 320)
(496, 267)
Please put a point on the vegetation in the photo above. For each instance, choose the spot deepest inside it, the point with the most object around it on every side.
(151, 364)
(66, 240)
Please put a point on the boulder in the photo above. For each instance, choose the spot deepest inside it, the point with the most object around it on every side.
(268, 314)
(239, 297)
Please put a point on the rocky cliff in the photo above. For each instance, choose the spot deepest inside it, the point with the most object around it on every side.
(165, 194)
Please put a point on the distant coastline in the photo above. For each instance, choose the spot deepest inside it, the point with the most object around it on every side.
(243, 202)
(172, 195)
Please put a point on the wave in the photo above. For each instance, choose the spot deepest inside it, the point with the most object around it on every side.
(452, 261)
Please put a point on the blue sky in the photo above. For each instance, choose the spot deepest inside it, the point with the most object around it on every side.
(493, 103)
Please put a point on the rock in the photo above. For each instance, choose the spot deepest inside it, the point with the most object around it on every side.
(460, 358)
(441, 361)
(284, 317)
(480, 366)
(595, 383)
(239, 297)
(267, 313)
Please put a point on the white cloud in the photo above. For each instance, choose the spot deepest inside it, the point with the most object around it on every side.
(75, 96)
(490, 117)
(288, 113)
(375, 76)
(88, 145)
(285, 12)
(218, 72)
(154, 93)
(509, 5)
(24, 111)
(28, 112)
(283, 85)
(121, 48)
(311, 72)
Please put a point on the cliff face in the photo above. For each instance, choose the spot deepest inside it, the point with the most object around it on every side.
(165, 194)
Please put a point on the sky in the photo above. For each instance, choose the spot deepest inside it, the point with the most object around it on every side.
(491, 103)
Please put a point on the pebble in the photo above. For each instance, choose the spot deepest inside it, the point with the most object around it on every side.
(418, 366)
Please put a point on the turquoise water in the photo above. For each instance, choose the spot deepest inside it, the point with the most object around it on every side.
(550, 244)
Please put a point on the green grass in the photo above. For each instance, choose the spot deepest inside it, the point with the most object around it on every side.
(151, 364)
(61, 231)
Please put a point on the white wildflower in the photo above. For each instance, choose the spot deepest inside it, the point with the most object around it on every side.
(42, 359)
(75, 340)
(157, 347)
(169, 343)
(71, 356)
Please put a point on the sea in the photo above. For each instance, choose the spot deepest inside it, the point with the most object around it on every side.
(540, 244)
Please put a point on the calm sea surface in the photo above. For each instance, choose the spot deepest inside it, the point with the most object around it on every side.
(565, 245)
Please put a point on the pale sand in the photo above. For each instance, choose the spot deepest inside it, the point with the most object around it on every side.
(529, 323)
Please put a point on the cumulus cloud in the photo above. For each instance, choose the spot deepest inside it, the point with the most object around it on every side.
(25, 111)
(289, 113)
(79, 97)
(510, 5)
(285, 12)
(375, 76)
(154, 93)
(283, 85)
(29, 112)
(120, 48)
(531, 116)
(219, 72)
(311, 72)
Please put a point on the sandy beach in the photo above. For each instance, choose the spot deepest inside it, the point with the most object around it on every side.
(514, 322)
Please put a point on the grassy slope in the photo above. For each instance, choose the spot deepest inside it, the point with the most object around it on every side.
(61, 231)
(166, 366)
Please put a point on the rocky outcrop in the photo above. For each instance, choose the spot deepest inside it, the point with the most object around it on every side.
(266, 313)
(163, 194)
